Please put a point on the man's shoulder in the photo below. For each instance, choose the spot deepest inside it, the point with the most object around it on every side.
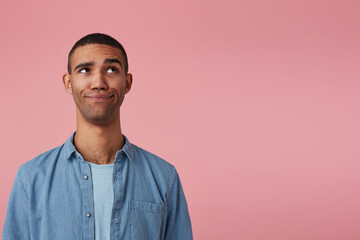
(155, 171)
(151, 158)
(42, 162)
(148, 160)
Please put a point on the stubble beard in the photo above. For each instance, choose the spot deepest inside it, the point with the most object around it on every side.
(98, 115)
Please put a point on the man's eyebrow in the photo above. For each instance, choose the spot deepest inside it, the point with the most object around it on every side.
(112, 60)
(84, 64)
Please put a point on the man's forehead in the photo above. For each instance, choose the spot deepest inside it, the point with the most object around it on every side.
(94, 52)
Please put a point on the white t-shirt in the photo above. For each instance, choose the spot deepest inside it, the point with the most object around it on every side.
(103, 198)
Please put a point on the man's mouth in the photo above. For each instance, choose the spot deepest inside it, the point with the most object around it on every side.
(99, 96)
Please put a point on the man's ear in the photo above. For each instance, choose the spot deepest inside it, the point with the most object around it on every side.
(67, 83)
(128, 82)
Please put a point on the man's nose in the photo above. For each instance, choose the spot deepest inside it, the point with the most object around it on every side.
(99, 82)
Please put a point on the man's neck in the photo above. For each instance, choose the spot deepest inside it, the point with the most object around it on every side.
(98, 144)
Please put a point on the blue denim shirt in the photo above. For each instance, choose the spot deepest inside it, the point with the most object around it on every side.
(52, 198)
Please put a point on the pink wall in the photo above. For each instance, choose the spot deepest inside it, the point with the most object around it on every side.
(255, 102)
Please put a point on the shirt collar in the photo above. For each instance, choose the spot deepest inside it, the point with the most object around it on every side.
(128, 148)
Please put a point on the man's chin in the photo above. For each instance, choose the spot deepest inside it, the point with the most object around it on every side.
(100, 117)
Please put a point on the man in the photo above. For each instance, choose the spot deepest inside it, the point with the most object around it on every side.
(97, 185)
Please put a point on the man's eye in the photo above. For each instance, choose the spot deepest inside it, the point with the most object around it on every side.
(112, 70)
(84, 70)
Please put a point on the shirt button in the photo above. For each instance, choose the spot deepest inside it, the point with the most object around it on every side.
(88, 214)
(85, 177)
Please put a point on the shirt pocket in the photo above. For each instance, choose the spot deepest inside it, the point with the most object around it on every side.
(146, 220)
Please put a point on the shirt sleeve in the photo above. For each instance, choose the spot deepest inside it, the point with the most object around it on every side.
(16, 226)
(178, 224)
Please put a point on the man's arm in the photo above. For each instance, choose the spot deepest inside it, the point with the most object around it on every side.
(178, 224)
(16, 224)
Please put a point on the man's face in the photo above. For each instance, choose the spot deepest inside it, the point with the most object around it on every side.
(97, 82)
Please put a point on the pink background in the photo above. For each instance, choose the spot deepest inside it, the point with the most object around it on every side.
(255, 102)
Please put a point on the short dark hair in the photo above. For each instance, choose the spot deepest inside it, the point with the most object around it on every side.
(98, 38)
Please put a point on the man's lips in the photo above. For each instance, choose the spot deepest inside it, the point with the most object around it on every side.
(99, 97)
